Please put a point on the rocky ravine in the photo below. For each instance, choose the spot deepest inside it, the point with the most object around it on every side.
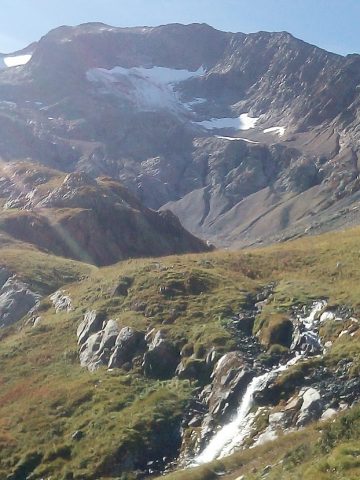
(247, 138)
(246, 397)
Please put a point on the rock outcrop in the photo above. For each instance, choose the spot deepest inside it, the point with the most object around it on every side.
(16, 299)
(103, 343)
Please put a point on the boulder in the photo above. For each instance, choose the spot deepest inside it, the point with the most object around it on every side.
(329, 413)
(162, 358)
(122, 287)
(96, 350)
(16, 300)
(311, 408)
(92, 323)
(326, 316)
(128, 344)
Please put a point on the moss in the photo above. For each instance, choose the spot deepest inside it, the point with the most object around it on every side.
(274, 328)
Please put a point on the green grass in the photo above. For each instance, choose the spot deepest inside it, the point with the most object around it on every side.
(45, 396)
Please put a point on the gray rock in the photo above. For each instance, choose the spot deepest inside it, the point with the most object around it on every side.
(92, 323)
(89, 352)
(211, 357)
(16, 300)
(4, 276)
(36, 322)
(110, 333)
(162, 358)
(128, 344)
(306, 341)
(311, 407)
(281, 420)
(230, 378)
(326, 316)
(329, 413)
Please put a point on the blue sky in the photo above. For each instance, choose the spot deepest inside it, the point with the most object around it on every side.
(330, 24)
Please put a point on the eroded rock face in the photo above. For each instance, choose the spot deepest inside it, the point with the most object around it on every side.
(16, 299)
(239, 191)
(96, 338)
(229, 379)
(92, 323)
(89, 352)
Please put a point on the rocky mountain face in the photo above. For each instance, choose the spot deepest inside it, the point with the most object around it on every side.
(93, 220)
(247, 138)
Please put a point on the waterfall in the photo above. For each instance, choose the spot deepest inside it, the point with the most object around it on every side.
(232, 436)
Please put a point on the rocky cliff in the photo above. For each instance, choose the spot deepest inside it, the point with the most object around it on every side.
(257, 133)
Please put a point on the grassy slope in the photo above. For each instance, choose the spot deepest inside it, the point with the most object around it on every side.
(45, 396)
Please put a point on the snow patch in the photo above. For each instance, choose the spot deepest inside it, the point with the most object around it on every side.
(243, 122)
(16, 61)
(236, 138)
(278, 130)
(148, 89)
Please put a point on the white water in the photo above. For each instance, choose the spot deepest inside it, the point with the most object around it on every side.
(232, 436)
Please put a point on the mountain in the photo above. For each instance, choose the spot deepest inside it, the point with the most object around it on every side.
(129, 348)
(258, 134)
(96, 221)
